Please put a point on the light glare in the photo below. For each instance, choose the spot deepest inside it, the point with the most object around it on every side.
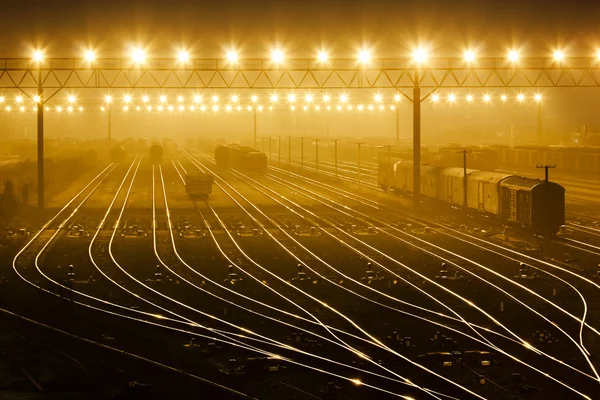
(277, 56)
(183, 56)
(90, 55)
(232, 56)
(513, 55)
(138, 56)
(558, 55)
(108, 99)
(38, 55)
(419, 55)
(364, 56)
(469, 56)
(538, 97)
(322, 56)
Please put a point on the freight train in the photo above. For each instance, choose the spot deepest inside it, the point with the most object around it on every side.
(240, 157)
(531, 203)
(199, 185)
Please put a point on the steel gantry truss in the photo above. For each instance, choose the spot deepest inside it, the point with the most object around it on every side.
(415, 81)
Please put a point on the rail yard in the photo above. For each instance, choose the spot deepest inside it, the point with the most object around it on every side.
(301, 278)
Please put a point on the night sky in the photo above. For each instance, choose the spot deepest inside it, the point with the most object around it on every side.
(65, 27)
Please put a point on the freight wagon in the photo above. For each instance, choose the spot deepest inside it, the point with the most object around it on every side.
(199, 185)
(240, 157)
(531, 203)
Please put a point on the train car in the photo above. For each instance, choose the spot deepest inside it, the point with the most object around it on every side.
(403, 176)
(452, 185)
(199, 185)
(240, 157)
(222, 156)
(117, 154)
(533, 203)
(385, 174)
(430, 176)
(483, 191)
(156, 154)
(256, 161)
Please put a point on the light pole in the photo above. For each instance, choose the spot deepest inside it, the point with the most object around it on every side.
(302, 154)
(289, 151)
(108, 102)
(416, 141)
(358, 156)
(335, 159)
(40, 134)
(254, 116)
(317, 155)
(540, 133)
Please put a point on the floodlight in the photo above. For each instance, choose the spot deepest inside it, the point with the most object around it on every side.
(513, 55)
(277, 56)
(469, 56)
(364, 56)
(232, 56)
(138, 56)
(38, 55)
(183, 56)
(90, 55)
(558, 55)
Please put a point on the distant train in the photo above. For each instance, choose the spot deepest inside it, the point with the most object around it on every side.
(156, 154)
(531, 203)
(240, 157)
(199, 185)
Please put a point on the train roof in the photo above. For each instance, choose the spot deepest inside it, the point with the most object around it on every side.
(489, 176)
(455, 171)
(522, 183)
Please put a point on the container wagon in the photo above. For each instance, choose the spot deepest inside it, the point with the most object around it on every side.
(199, 185)
(156, 154)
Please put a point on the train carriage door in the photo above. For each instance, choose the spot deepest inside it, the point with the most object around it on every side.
(480, 196)
(524, 207)
(509, 204)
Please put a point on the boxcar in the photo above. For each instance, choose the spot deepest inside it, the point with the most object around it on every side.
(256, 161)
(533, 203)
(430, 176)
(452, 185)
(483, 191)
(222, 156)
(403, 176)
(199, 185)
